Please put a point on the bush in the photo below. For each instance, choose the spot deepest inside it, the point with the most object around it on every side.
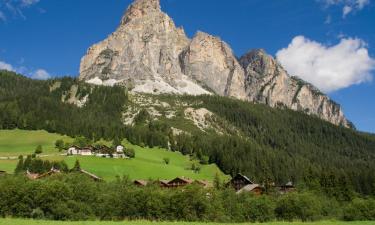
(39, 150)
(360, 209)
(166, 161)
(296, 206)
(259, 209)
(129, 152)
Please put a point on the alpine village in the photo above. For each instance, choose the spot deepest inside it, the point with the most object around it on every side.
(161, 128)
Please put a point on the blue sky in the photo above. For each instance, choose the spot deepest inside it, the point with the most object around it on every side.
(43, 38)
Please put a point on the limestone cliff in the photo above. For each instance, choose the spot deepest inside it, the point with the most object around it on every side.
(149, 54)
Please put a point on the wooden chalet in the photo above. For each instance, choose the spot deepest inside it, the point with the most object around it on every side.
(256, 189)
(163, 183)
(179, 182)
(286, 188)
(140, 183)
(242, 184)
(36, 176)
(239, 181)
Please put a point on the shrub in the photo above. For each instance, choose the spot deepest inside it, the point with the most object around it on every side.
(259, 209)
(296, 206)
(360, 209)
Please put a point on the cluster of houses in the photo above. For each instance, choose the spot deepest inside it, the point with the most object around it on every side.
(175, 183)
(99, 151)
(37, 176)
(240, 183)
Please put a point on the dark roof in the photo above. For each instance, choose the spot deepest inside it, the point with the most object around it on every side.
(183, 179)
(240, 176)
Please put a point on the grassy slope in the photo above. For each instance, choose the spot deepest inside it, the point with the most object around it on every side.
(147, 164)
(32, 222)
(21, 142)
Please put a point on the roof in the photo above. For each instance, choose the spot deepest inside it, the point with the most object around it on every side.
(204, 183)
(243, 177)
(141, 182)
(249, 188)
(184, 179)
(93, 176)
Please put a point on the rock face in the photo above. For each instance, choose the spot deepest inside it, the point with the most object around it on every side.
(267, 82)
(149, 54)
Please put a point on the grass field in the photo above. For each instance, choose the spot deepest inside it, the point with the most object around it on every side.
(148, 162)
(21, 142)
(33, 222)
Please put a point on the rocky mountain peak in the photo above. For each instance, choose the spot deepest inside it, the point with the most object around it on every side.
(140, 8)
(258, 61)
(149, 54)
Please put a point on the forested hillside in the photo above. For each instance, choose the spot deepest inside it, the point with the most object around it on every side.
(268, 145)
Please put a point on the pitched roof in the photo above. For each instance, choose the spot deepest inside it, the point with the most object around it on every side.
(249, 188)
(141, 182)
(93, 176)
(243, 177)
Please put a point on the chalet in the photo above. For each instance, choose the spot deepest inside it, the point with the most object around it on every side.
(120, 149)
(86, 151)
(242, 184)
(36, 176)
(141, 183)
(252, 188)
(179, 182)
(286, 188)
(239, 181)
(163, 183)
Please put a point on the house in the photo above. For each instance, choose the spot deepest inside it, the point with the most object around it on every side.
(239, 181)
(242, 184)
(141, 183)
(74, 150)
(120, 149)
(36, 176)
(286, 188)
(163, 183)
(179, 182)
(252, 188)
(86, 151)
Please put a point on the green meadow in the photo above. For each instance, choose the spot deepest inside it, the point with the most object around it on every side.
(21, 142)
(36, 222)
(148, 163)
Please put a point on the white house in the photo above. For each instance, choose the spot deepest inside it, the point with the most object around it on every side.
(120, 149)
(74, 150)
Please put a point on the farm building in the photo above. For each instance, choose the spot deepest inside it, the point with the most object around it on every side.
(36, 176)
(179, 182)
(90, 175)
(86, 151)
(242, 184)
(3, 173)
(286, 188)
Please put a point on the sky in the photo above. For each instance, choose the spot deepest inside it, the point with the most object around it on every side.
(329, 43)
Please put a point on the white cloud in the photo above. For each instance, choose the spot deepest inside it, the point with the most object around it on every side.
(348, 6)
(41, 74)
(329, 68)
(346, 10)
(6, 66)
(14, 8)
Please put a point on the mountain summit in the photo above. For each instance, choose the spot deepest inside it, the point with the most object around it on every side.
(149, 54)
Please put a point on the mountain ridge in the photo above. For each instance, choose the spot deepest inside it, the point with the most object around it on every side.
(149, 54)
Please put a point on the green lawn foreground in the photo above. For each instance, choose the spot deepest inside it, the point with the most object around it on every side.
(36, 222)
